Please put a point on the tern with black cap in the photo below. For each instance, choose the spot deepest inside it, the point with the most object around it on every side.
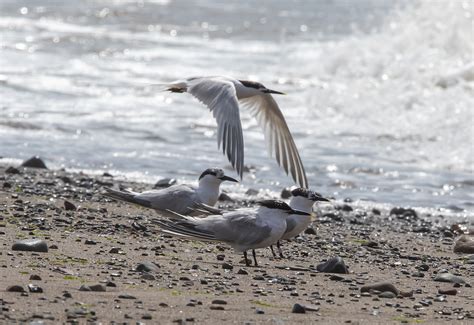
(302, 200)
(242, 229)
(180, 198)
(224, 96)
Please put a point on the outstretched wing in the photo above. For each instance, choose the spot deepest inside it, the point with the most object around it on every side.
(278, 136)
(219, 95)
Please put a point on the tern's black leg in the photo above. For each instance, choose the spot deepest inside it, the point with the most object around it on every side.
(246, 259)
(273, 252)
(279, 249)
(254, 257)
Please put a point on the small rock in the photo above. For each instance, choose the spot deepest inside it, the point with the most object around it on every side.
(165, 182)
(31, 245)
(227, 266)
(336, 278)
(404, 213)
(285, 193)
(147, 267)
(68, 206)
(387, 294)
(35, 277)
(258, 311)
(148, 276)
(114, 250)
(242, 271)
(146, 316)
(310, 231)
(90, 242)
(219, 302)
(381, 287)
(223, 197)
(126, 296)
(15, 288)
(251, 192)
(333, 265)
(34, 162)
(95, 288)
(12, 170)
(34, 288)
(448, 277)
(298, 309)
(214, 307)
(465, 244)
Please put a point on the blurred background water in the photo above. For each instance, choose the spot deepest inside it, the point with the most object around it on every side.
(380, 93)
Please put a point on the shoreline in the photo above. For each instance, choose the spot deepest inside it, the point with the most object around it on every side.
(101, 243)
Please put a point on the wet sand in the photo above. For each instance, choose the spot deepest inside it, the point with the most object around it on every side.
(97, 244)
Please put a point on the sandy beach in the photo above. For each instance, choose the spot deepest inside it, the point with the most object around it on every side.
(106, 262)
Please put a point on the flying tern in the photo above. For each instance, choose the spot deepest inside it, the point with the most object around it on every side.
(181, 198)
(223, 96)
(302, 200)
(242, 229)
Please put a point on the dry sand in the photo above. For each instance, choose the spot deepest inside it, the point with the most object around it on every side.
(102, 242)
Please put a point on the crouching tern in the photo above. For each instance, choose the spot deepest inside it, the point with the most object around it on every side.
(181, 198)
(242, 229)
(222, 95)
(302, 200)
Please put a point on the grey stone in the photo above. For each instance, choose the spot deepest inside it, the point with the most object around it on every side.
(298, 309)
(34, 162)
(147, 267)
(448, 277)
(31, 245)
(333, 265)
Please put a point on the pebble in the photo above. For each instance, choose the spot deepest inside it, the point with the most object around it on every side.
(15, 288)
(381, 287)
(227, 266)
(387, 294)
(165, 182)
(448, 277)
(465, 244)
(224, 197)
(31, 245)
(214, 307)
(95, 288)
(298, 309)
(242, 271)
(333, 265)
(310, 231)
(450, 292)
(126, 296)
(146, 316)
(12, 170)
(34, 162)
(219, 302)
(285, 193)
(68, 206)
(147, 267)
(34, 288)
(35, 277)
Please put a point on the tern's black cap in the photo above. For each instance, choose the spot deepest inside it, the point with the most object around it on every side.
(252, 84)
(275, 204)
(311, 195)
(212, 171)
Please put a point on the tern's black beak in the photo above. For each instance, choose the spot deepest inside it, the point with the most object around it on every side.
(292, 211)
(320, 198)
(228, 178)
(269, 91)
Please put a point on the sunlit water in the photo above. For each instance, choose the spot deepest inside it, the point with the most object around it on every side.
(380, 93)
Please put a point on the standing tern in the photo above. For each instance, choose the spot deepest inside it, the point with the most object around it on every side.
(181, 198)
(222, 95)
(242, 229)
(302, 200)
